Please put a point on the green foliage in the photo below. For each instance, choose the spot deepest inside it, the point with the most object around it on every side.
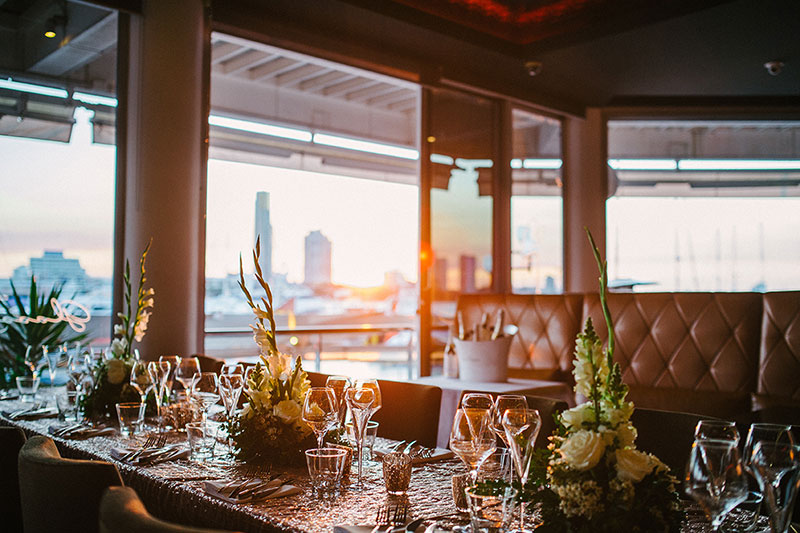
(15, 337)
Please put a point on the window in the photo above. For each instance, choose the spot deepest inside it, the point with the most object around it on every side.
(703, 206)
(536, 206)
(320, 161)
(57, 169)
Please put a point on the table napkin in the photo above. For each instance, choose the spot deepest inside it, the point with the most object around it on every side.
(212, 488)
(152, 456)
(82, 432)
(439, 454)
(31, 414)
(9, 394)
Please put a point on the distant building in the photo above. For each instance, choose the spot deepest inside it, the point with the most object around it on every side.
(51, 269)
(467, 273)
(318, 259)
(263, 229)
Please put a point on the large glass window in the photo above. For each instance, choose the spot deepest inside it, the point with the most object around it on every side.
(536, 204)
(57, 157)
(704, 206)
(320, 161)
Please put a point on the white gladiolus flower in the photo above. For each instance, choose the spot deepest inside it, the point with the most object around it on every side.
(119, 347)
(119, 329)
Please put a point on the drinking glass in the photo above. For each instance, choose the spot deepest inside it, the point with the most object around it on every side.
(501, 404)
(33, 359)
(477, 400)
(174, 361)
(27, 387)
(776, 466)
(77, 368)
(158, 372)
(231, 383)
(716, 430)
(339, 384)
(325, 467)
(53, 355)
(320, 411)
(522, 427)
(397, 472)
(472, 439)
(140, 379)
(369, 435)
(187, 371)
(490, 513)
(67, 404)
(363, 403)
(130, 417)
(202, 439)
(205, 391)
(715, 478)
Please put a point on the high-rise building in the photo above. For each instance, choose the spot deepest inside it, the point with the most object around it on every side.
(263, 229)
(51, 269)
(467, 273)
(318, 259)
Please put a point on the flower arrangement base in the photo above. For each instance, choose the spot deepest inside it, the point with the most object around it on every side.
(483, 360)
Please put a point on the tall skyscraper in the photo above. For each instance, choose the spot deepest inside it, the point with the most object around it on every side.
(318, 259)
(264, 230)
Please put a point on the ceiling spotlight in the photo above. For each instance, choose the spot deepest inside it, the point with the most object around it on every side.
(53, 25)
(533, 68)
(774, 67)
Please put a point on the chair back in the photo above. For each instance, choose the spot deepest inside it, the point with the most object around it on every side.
(60, 494)
(121, 511)
(667, 435)
(11, 440)
(209, 364)
(410, 411)
(548, 408)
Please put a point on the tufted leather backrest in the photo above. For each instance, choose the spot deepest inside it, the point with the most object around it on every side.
(690, 341)
(779, 363)
(547, 325)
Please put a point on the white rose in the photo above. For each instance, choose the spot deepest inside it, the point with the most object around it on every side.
(583, 449)
(575, 417)
(633, 465)
(287, 410)
(117, 371)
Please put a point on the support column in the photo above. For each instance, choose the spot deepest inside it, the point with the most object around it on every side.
(165, 169)
(585, 193)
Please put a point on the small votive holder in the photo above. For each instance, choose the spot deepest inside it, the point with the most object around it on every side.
(27, 387)
(325, 467)
(490, 513)
(177, 414)
(130, 417)
(202, 439)
(397, 472)
(67, 403)
(460, 482)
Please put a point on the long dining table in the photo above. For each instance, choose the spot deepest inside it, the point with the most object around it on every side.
(174, 490)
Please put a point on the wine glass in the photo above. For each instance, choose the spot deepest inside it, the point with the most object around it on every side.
(522, 427)
(231, 383)
(371, 384)
(339, 384)
(205, 390)
(716, 430)
(174, 361)
(320, 411)
(776, 466)
(158, 372)
(501, 404)
(187, 371)
(477, 400)
(53, 355)
(140, 379)
(363, 403)
(472, 439)
(715, 478)
(33, 359)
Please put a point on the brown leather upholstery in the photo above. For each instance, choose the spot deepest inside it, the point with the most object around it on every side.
(410, 412)
(547, 325)
(57, 493)
(11, 440)
(121, 511)
(779, 364)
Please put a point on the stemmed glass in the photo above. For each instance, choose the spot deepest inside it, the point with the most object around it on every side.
(140, 378)
(188, 370)
(776, 466)
(715, 478)
(205, 391)
(363, 402)
(522, 427)
(716, 430)
(53, 356)
(501, 404)
(231, 383)
(477, 400)
(339, 384)
(174, 361)
(158, 372)
(33, 359)
(472, 439)
(320, 411)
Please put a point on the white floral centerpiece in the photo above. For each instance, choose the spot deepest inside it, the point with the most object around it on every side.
(270, 428)
(595, 479)
(112, 375)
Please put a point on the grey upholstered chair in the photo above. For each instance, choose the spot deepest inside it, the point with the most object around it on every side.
(11, 440)
(60, 494)
(547, 407)
(121, 511)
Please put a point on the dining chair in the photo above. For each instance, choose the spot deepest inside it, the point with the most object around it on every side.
(410, 411)
(666, 434)
(121, 511)
(60, 494)
(11, 440)
(317, 379)
(547, 407)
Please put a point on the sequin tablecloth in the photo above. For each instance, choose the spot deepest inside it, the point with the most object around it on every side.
(174, 490)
